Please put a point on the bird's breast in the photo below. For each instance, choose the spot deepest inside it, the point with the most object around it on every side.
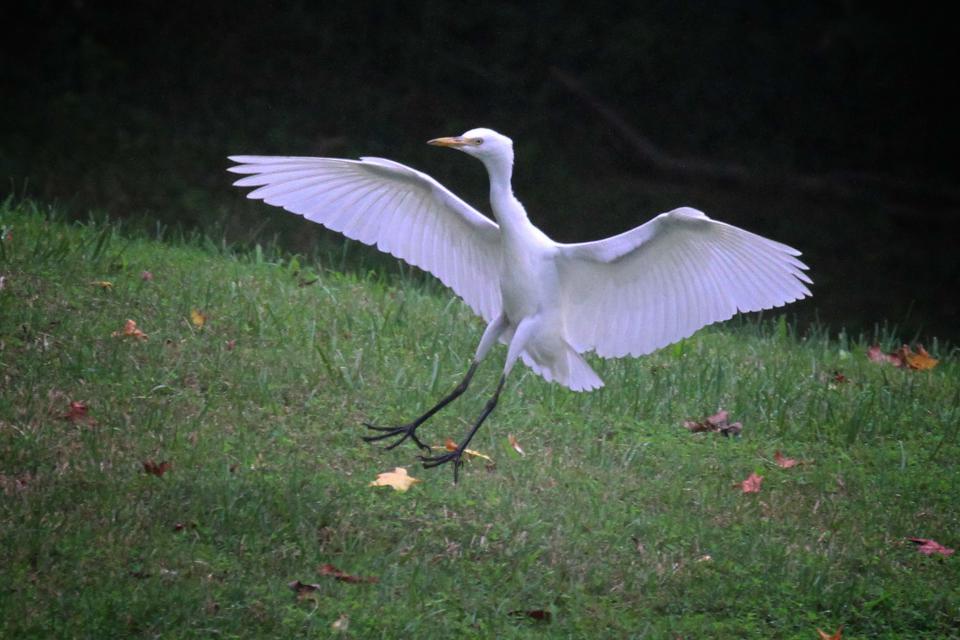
(528, 281)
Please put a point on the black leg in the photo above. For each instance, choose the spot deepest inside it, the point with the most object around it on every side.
(409, 430)
(455, 456)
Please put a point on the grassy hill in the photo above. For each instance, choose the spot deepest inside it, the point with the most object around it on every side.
(617, 522)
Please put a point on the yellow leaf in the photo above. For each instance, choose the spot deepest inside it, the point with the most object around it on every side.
(921, 360)
(516, 445)
(198, 318)
(398, 479)
(450, 445)
(103, 284)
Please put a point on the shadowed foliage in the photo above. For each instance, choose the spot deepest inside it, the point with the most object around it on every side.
(132, 110)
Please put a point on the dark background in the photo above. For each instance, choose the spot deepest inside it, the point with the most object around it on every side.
(825, 125)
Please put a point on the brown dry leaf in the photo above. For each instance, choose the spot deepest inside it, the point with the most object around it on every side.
(751, 484)
(837, 635)
(77, 412)
(106, 285)
(516, 445)
(717, 423)
(146, 276)
(130, 330)
(929, 547)
(157, 468)
(450, 445)
(695, 427)
(198, 318)
(337, 574)
(398, 479)
(784, 462)
(303, 590)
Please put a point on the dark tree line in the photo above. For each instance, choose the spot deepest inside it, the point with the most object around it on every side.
(132, 108)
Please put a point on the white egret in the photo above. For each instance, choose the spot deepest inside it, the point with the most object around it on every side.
(627, 295)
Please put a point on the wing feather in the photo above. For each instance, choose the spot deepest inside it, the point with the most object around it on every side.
(401, 211)
(644, 289)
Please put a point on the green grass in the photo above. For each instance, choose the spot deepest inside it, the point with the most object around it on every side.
(605, 523)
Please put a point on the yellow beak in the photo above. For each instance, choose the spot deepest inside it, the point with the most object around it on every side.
(453, 142)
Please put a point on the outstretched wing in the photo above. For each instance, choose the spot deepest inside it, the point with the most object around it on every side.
(403, 212)
(644, 289)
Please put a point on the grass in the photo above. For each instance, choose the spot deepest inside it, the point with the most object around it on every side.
(618, 522)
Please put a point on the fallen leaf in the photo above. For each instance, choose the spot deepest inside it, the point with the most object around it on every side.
(783, 462)
(837, 635)
(398, 479)
(302, 589)
(77, 412)
(904, 357)
(516, 445)
(717, 423)
(103, 284)
(198, 318)
(921, 360)
(231, 345)
(450, 445)
(341, 624)
(876, 354)
(157, 468)
(535, 614)
(751, 484)
(130, 330)
(839, 378)
(146, 276)
(3, 282)
(929, 547)
(337, 574)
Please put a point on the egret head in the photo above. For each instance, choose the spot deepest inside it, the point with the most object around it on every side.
(484, 144)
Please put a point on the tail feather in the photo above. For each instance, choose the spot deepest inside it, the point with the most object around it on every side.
(569, 369)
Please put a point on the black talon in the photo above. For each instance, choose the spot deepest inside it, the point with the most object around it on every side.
(456, 456)
(409, 430)
(406, 431)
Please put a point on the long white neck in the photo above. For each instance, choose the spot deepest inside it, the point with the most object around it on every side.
(506, 208)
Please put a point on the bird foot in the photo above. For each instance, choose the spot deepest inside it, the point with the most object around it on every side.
(401, 433)
(455, 456)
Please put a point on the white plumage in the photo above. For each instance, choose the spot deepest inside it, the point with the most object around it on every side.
(550, 302)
